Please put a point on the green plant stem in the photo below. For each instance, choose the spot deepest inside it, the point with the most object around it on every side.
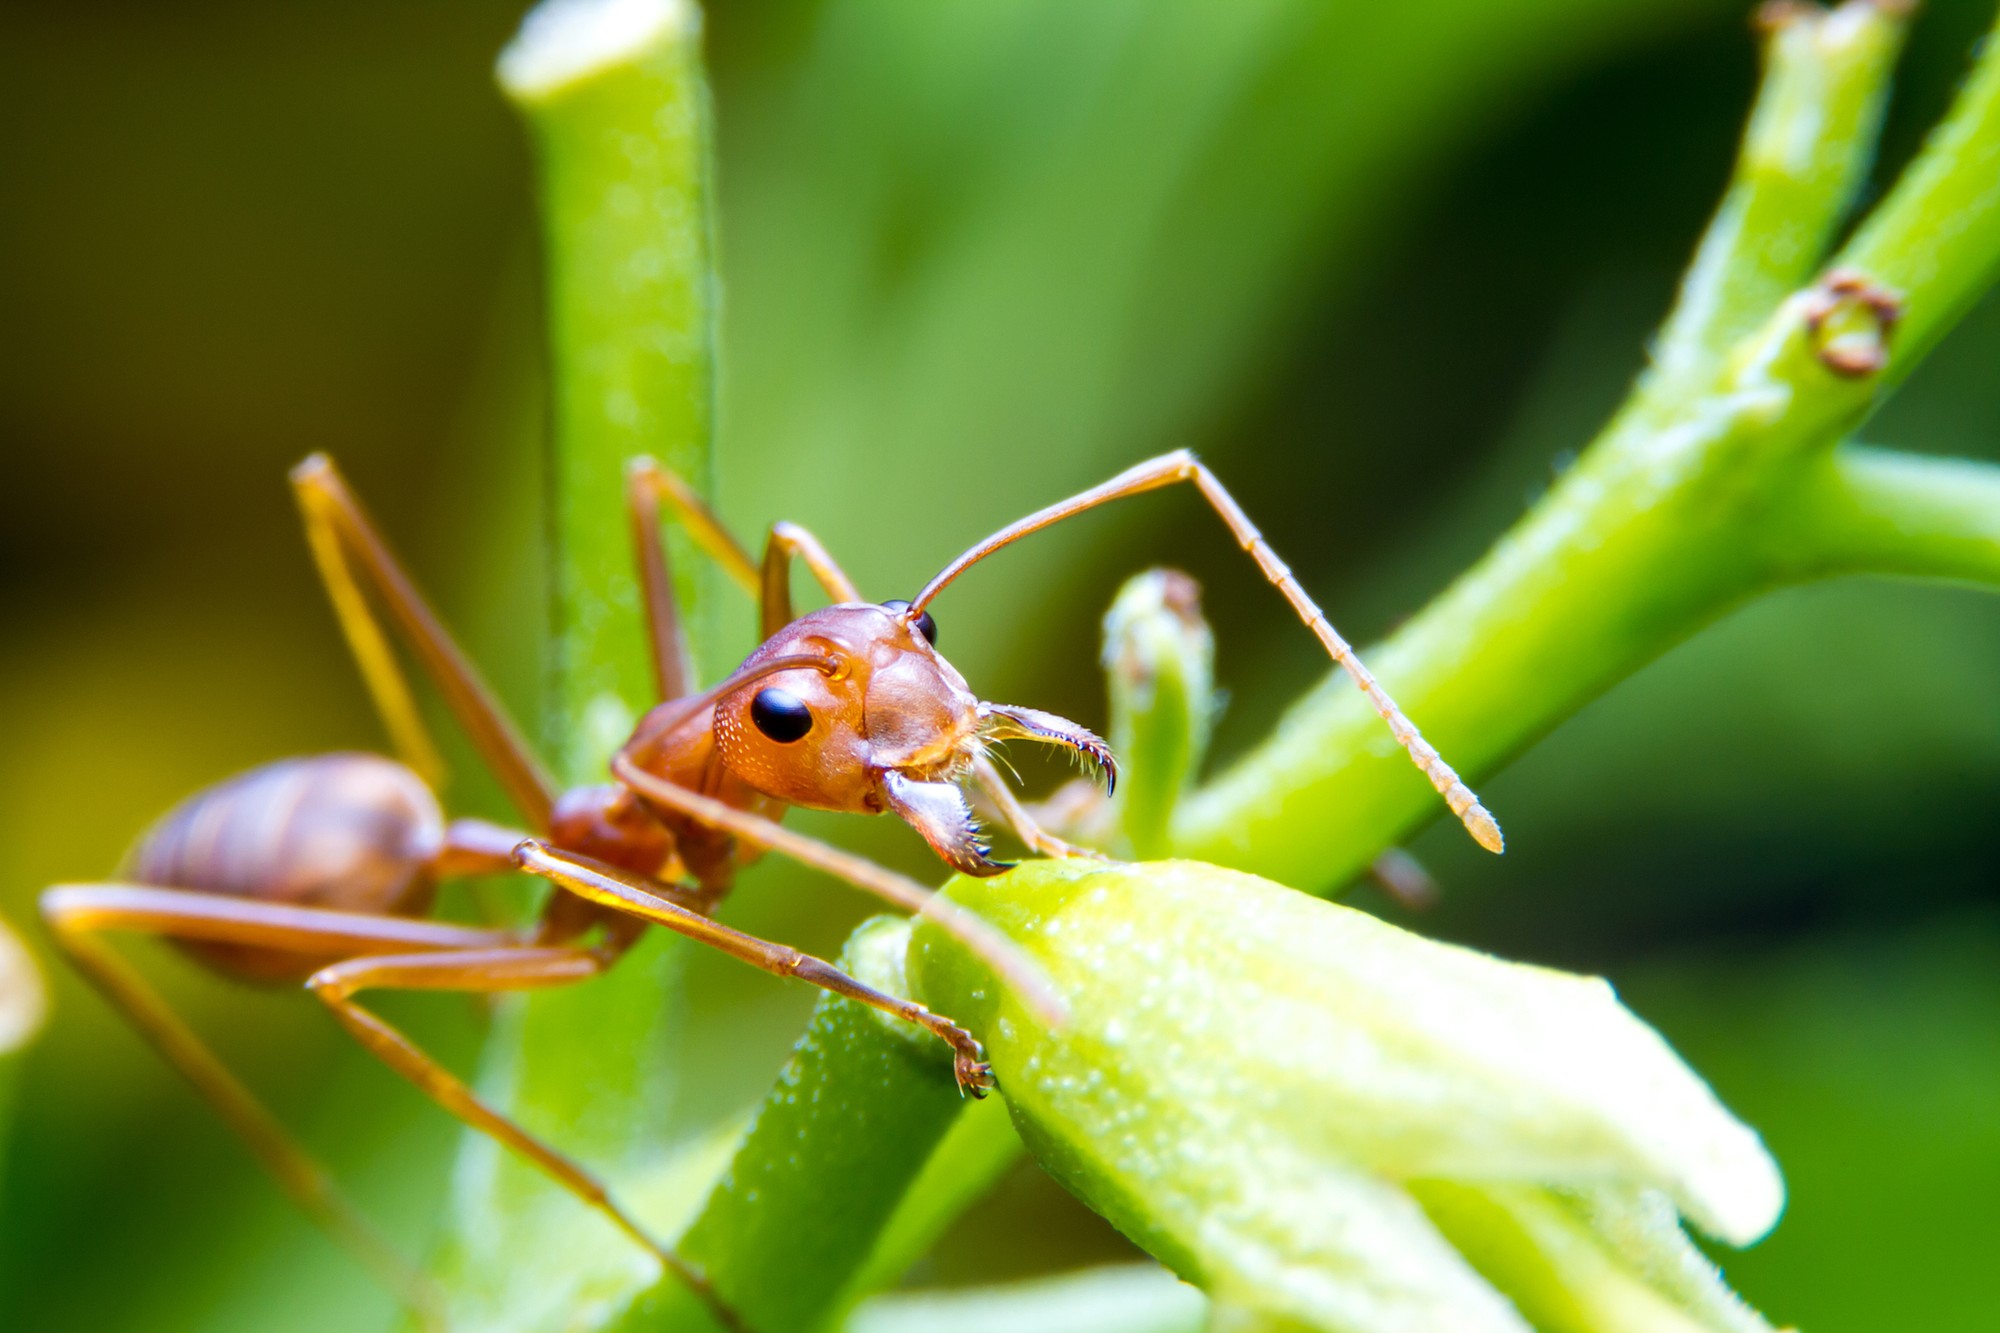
(1881, 511)
(623, 150)
(617, 104)
(979, 1148)
(846, 1129)
(1679, 511)
(1808, 144)
(1936, 238)
(622, 144)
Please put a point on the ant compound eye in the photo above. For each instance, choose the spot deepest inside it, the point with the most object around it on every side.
(781, 715)
(925, 625)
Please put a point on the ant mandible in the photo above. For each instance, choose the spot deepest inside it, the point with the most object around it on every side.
(323, 869)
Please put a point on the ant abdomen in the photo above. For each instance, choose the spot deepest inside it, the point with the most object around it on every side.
(352, 832)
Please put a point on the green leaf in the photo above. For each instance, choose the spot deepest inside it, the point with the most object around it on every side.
(1253, 1083)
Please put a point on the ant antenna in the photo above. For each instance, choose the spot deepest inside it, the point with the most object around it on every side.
(1180, 466)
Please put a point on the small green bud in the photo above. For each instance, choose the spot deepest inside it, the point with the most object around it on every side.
(1159, 657)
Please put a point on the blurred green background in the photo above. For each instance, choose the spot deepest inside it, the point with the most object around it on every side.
(1386, 266)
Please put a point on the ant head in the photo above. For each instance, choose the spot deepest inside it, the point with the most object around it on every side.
(852, 708)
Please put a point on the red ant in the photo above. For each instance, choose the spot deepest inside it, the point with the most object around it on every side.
(323, 869)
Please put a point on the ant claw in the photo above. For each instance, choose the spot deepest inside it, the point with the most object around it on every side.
(975, 1076)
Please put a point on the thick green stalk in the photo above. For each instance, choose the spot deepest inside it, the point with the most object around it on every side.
(620, 117)
(617, 103)
(1680, 510)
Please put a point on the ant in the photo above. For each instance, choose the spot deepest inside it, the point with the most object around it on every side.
(323, 869)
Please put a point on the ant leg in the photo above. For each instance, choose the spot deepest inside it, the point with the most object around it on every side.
(405, 952)
(789, 540)
(1182, 466)
(647, 483)
(488, 971)
(1038, 839)
(636, 896)
(76, 910)
(78, 914)
(353, 558)
(970, 929)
